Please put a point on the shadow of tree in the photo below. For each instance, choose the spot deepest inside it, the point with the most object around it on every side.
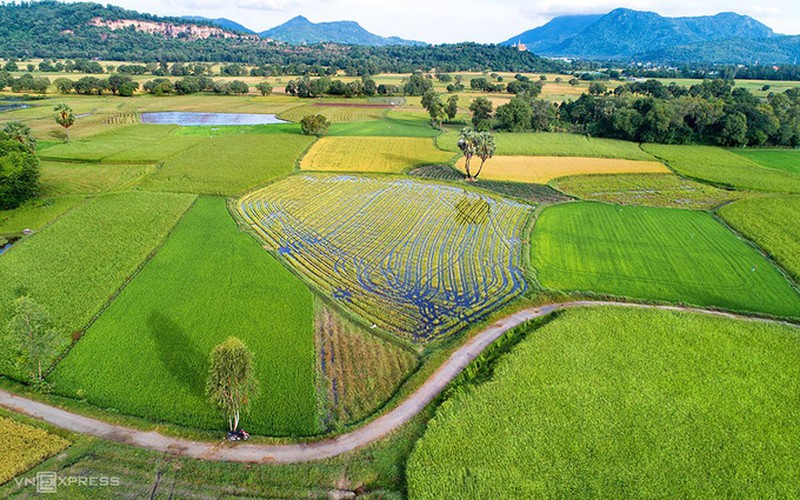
(179, 354)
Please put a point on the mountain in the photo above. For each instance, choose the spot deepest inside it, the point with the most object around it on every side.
(626, 33)
(554, 33)
(300, 30)
(223, 23)
(775, 50)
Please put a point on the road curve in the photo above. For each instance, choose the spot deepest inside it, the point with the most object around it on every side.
(317, 450)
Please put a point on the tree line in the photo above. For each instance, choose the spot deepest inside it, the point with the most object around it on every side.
(711, 112)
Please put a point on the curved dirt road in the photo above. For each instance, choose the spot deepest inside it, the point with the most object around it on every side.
(317, 450)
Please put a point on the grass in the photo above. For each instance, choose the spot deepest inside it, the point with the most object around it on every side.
(722, 167)
(371, 154)
(555, 144)
(74, 265)
(59, 179)
(658, 190)
(23, 446)
(419, 259)
(359, 371)
(771, 223)
(147, 355)
(216, 131)
(393, 125)
(656, 254)
(36, 213)
(229, 164)
(128, 144)
(623, 403)
(781, 159)
(336, 114)
(542, 169)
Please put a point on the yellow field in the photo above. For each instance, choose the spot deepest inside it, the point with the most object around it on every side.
(541, 169)
(335, 114)
(23, 446)
(372, 154)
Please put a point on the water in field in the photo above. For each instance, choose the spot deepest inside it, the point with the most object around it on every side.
(188, 119)
(6, 106)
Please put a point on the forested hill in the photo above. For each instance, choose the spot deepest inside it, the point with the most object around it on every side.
(635, 35)
(300, 30)
(86, 30)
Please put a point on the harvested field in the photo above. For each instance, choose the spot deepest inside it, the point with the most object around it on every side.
(541, 169)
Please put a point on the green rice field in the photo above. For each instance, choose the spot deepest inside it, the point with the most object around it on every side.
(656, 254)
(772, 224)
(73, 266)
(147, 355)
(553, 144)
(723, 167)
(623, 403)
(781, 159)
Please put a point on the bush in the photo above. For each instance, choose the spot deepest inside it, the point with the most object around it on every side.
(315, 125)
(19, 174)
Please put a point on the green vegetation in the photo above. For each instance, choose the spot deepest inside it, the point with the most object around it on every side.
(657, 190)
(358, 371)
(129, 144)
(781, 159)
(23, 446)
(147, 355)
(772, 224)
(229, 164)
(232, 384)
(35, 213)
(394, 125)
(371, 154)
(73, 266)
(724, 168)
(657, 254)
(619, 402)
(419, 259)
(68, 178)
(19, 171)
(553, 144)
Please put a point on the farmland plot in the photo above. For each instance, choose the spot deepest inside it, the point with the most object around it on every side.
(372, 154)
(772, 224)
(541, 169)
(781, 159)
(656, 254)
(23, 446)
(623, 403)
(418, 259)
(147, 355)
(337, 113)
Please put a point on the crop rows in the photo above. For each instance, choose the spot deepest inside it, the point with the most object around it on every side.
(23, 446)
(372, 154)
(418, 259)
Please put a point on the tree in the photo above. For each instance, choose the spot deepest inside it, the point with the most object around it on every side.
(314, 125)
(485, 148)
(574, 82)
(417, 84)
(451, 108)
(64, 117)
(32, 335)
(597, 88)
(433, 104)
(481, 113)
(264, 87)
(231, 384)
(19, 173)
(18, 131)
(466, 143)
(516, 115)
(734, 130)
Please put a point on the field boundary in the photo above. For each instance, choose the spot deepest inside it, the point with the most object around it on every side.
(375, 430)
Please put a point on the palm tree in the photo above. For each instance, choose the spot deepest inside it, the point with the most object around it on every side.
(485, 148)
(64, 117)
(18, 131)
(466, 143)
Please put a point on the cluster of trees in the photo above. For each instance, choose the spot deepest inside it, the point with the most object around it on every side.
(712, 112)
(19, 166)
(194, 84)
(315, 125)
(787, 72)
(316, 87)
(118, 84)
(25, 83)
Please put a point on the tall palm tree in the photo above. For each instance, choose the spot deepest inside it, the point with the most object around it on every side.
(64, 117)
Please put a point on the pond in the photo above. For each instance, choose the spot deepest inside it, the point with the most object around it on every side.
(197, 119)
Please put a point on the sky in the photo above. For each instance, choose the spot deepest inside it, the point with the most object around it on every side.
(448, 21)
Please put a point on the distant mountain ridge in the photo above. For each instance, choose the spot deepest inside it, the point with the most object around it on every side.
(632, 34)
(299, 30)
(222, 22)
